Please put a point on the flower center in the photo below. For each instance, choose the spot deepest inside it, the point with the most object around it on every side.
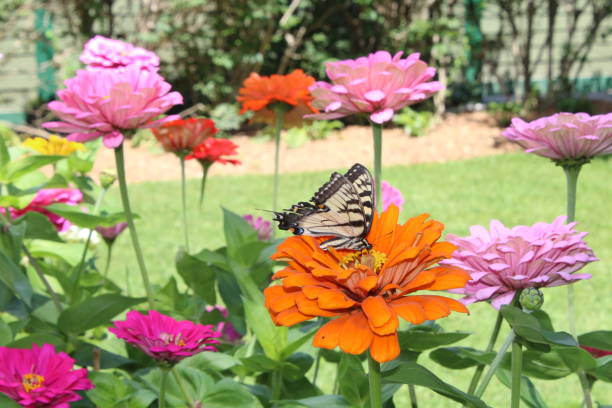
(32, 382)
(172, 339)
(366, 257)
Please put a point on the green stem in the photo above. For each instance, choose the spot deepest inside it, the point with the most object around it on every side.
(109, 252)
(120, 163)
(517, 366)
(279, 116)
(184, 202)
(480, 368)
(41, 275)
(181, 384)
(205, 167)
(162, 388)
(377, 133)
(374, 382)
(277, 382)
(498, 359)
(316, 367)
(413, 397)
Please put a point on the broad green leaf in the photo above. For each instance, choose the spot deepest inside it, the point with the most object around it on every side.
(197, 275)
(600, 339)
(5, 401)
(6, 334)
(296, 366)
(85, 220)
(352, 380)
(237, 231)
(40, 339)
(68, 252)
(213, 361)
(14, 279)
(546, 366)
(197, 384)
(529, 393)
(575, 358)
(529, 328)
(110, 390)
(259, 363)
(4, 154)
(229, 394)
(603, 371)
(421, 340)
(94, 312)
(273, 339)
(299, 342)
(413, 373)
(20, 167)
(459, 358)
(38, 226)
(323, 401)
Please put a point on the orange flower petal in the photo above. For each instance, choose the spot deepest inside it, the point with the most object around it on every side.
(277, 299)
(290, 317)
(368, 283)
(310, 307)
(385, 348)
(447, 278)
(433, 306)
(299, 279)
(329, 335)
(355, 336)
(377, 310)
(332, 299)
(388, 328)
(412, 312)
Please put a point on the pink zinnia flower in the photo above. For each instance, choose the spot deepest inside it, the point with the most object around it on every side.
(378, 84)
(106, 103)
(564, 136)
(105, 53)
(111, 233)
(391, 195)
(227, 330)
(164, 338)
(504, 260)
(46, 197)
(40, 377)
(263, 227)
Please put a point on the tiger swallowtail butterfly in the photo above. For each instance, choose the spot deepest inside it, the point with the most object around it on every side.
(342, 209)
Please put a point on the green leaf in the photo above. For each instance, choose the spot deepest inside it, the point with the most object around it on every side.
(94, 312)
(5, 157)
(413, 373)
(6, 334)
(352, 379)
(113, 392)
(85, 220)
(198, 275)
(17, 281)
(213, 361)
(529, 328)
(38, 226)
(237, 231)
(458, 358)
(546, 366)
(40, 339)
(259, 363)
(600, 339)
(18, 168)
(5, 401)
(296, 366)
(576, 358)
(422, 340)
(603, 371)
(273, 339)
(529, 393)
(229, 394)
(67, 252)
(323, 401)
(299, 342)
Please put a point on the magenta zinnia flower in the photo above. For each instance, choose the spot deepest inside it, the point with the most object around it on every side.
(46, 197)
(227, 329)
(111, 233)
(40, 377)
(595, 352)
(564, 136)
(106, 103)
(164, 338)
(504, 260)
(105, 53)
(263, 227)
(378, 84)
(391, 195)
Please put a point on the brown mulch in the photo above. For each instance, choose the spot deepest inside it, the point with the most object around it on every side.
(456, 137)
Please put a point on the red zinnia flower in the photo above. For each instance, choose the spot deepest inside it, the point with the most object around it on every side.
(260, 93)
(214, 150)
(183, 135)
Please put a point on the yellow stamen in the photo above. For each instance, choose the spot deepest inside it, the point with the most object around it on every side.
(32, 382)
(370, 258)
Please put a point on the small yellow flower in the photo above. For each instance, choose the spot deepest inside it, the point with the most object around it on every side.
(54, 146)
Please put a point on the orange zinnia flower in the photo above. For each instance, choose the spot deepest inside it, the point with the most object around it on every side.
(366, 290)
(260, 92)
(183, 135)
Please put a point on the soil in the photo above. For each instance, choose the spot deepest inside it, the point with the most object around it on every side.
(455, 137)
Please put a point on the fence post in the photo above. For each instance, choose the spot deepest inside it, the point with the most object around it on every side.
(44, 54)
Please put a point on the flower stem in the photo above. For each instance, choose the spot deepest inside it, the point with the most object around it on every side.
(377, 134)
(44, 280)
(162, 388)
(277, 382)
(184, 203)
(279, 116)
(374, 381)
(498, 359)
(205, 167)
(492, 340)
(413, 397)
(120, 164)
(109, 253)
(181, 384)
(517, 365)
(316, 367)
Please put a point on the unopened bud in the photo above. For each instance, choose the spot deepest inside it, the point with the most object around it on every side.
(107, 178)
(531, 299)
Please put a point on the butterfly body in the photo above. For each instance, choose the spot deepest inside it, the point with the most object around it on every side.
(342, 209)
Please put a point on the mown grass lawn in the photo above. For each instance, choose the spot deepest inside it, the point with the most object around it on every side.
(515, 188)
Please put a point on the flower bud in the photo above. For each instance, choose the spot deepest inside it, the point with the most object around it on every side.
(531, 299)
(107, 178)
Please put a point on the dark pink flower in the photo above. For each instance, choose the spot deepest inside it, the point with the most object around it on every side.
(163, 337)
(106, 103)
(111, 233)
(379, 85)
(227, 330)
(106, 53)
(40, 377)
(391, 195)
(263, 227)
(46, 197)
(505, 260)
(595, 352)
(564, 136)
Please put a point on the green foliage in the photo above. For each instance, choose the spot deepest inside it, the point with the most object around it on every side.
(505, 111)
(415, 123)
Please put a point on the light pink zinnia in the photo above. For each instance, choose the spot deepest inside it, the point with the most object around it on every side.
(504, 260)
(40, 377)
(111, 233)
(106, 53)
(227, 329)
(164, 338)
(564, 136)
(46, 197)
(378, 84)
(107, 102)
(263, 227)
(391, 195)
